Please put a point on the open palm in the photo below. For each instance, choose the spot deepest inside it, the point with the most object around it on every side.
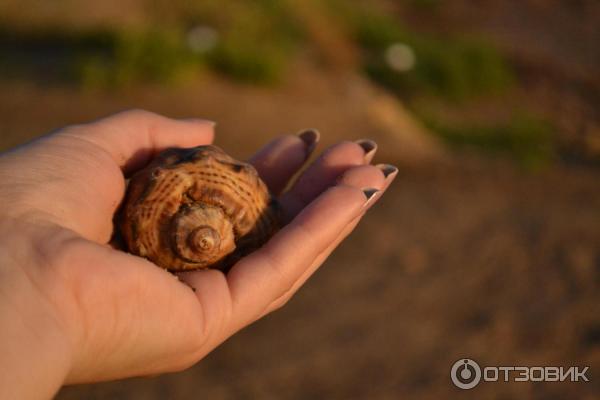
(122, 315)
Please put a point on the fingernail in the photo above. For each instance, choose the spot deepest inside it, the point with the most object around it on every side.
(370, 195)
(369, 147)
(310, 137)
(201, 120)
(370, 192)
(387, 169)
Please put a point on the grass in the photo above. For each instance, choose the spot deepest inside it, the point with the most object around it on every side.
(95, 57)
(452, 68)
(426, 5)
(145, 56)
(527, 139)
(49, 54)
(252, 44)
(248, 62)
(255, 38)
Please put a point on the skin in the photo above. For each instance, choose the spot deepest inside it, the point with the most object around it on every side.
(73, 309)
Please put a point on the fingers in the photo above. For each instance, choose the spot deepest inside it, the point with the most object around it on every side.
(266, 274)
(354, 176)
(280, 159)
(324, 172)
(133, 137)
(362, 177)
(244, 277)
(212, 291)
(369, 148)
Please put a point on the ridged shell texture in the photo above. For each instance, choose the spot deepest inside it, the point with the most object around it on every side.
(197, 208)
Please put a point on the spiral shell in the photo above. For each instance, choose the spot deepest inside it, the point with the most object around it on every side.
(197, 208)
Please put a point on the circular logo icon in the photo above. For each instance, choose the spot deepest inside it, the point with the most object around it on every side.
(465, 373)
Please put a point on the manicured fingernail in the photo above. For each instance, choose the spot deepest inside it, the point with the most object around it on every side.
(370, 192)
(369, 147)
(201, 121)
(387, 169)
(310, 137)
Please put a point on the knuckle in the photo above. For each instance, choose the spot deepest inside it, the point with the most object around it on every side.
(362, 175)
(282, 302)
(353, 148)
(344, 154)
(139, 113)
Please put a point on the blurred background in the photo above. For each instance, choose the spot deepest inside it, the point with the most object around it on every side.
(488, 244)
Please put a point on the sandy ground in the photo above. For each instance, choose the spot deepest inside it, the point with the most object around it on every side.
(478, 261)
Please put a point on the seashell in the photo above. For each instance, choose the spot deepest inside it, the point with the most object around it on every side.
(197, 208)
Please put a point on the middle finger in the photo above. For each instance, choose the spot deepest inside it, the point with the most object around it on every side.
(323, 173)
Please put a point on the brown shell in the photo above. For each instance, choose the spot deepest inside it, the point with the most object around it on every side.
(197, 208)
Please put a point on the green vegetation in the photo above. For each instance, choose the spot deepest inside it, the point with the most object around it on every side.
(255, 38)
(452, 70)
(248, 63)
(252, 41)
(525, 138)
(249, 42)
(427, 5)
(152, 56)
(450, 67)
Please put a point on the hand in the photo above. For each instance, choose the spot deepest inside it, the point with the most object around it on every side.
(73, 309)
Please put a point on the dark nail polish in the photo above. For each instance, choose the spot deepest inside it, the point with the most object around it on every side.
(368, 146)
(370, 192)
(310, 137)
(387, 169)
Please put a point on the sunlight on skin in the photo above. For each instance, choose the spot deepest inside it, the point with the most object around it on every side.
(109, 314)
